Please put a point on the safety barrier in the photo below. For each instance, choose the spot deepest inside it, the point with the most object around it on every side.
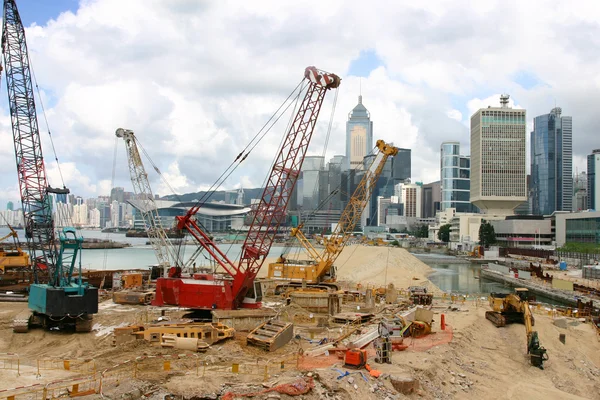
(16, 363)
(139, 368)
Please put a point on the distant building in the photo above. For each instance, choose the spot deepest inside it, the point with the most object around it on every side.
(215, 217)
(498, 176)
(10, 206)
(117, 194)
(308, 183)
(580, 192)
(410, 197)
(455, 182)
(401, 166)
(552, 163)
(359, 136)
(579, 227)
(431, 199)
(593, 180)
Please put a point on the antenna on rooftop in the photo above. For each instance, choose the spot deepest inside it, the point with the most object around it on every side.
(504, 100)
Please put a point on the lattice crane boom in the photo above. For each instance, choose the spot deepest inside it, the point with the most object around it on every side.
(322, 261)
(268, 214)
(163, 248)
(61, 302)
(357, 203)
(33, 184)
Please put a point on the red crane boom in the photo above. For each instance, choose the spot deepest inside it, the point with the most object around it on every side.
(209, 291)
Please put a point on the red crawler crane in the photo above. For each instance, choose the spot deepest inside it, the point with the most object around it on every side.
(229, 290)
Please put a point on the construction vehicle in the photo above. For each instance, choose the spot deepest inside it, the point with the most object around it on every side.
(236, 287)
(514, 307)
(320, 270)
(13, 258)
(62, 301)
(165, 252)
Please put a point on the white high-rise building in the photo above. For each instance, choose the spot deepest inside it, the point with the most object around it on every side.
(498, 175)
(410, 197)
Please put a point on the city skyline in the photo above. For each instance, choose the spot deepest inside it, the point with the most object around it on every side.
(420, 90)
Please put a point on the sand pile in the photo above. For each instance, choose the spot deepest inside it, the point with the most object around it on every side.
(375, 266)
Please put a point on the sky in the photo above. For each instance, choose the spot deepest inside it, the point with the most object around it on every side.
(195, 80)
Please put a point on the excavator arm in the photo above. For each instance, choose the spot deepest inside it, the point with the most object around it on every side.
(537, 353)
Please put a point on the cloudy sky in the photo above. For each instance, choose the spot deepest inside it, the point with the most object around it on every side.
(197, 79)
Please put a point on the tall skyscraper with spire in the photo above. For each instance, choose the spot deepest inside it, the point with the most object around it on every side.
(359, 135)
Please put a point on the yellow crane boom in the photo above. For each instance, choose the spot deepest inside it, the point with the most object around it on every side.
(320, 268)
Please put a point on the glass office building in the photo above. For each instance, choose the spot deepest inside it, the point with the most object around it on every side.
(593, 180)
(455, 179)
(551, 163)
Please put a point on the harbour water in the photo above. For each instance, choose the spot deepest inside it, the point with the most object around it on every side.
(454, 275)
(140, 255)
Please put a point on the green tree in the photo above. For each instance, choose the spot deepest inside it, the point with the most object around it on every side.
(422, 231)
(444, 233)
(487, 235)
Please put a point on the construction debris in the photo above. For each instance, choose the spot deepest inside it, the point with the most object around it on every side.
(165, 335)
(133, 296)
(271, 335)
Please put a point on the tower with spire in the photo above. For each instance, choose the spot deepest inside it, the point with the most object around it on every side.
(359, 135)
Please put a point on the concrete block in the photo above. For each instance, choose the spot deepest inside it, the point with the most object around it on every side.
(561, 323)
(404, 384)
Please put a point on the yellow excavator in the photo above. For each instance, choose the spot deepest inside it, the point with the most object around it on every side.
(13, 260)
(514, 307)
(319, 271)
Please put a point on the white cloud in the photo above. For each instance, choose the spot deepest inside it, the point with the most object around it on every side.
(454, 114)
(196, 80)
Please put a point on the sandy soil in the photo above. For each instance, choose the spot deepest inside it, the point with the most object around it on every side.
(375, 266)
(480, 362)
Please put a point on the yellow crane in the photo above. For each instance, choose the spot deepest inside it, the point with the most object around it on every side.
(514, 307)
(319, 270)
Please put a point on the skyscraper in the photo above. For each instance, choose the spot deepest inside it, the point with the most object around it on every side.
(593, 180)
(359, 135)
(455, 179)
(431, 199)
(308, 184)
(551, 163)
(498, 176)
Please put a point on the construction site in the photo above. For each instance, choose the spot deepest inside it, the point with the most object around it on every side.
(331, 317)
(443, 350)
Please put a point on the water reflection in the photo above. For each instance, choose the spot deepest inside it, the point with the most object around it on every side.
(465, 278)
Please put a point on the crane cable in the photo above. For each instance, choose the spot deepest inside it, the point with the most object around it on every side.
(287, 129)
(312, 214)
(238, 160)
(235, 164)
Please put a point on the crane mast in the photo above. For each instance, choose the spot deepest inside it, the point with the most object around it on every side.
(33, 185)
(323, 261)
(268, 215)
(61, 302)
(357, 203)
(141, 186)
